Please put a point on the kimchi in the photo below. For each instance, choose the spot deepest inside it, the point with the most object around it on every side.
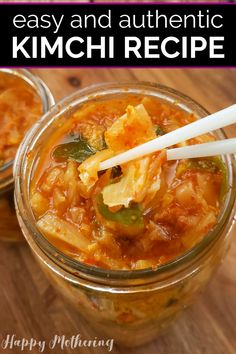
(138, 215)
(20, 107)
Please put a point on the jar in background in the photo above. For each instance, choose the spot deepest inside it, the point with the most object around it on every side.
(9, 227)
(132, 307)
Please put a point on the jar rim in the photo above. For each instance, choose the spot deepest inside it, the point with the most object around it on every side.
(47, 100)
(82, 269)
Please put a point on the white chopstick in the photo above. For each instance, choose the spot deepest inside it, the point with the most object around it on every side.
(227, 146)
(212, 122)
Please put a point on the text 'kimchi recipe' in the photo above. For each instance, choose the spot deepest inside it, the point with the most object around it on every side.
(138, 215)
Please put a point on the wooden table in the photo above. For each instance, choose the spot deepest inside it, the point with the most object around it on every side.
(30, 307)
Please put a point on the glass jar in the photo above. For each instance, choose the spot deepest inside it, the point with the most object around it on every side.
(131, 307)
(9, 227)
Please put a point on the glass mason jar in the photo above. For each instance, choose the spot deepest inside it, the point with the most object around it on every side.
(131, 307)
(9, 227)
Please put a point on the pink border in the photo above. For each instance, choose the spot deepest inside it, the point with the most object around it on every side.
(119, 67)
(118, 3)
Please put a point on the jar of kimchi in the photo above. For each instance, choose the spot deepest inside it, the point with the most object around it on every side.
(23, 99)
(130, 256)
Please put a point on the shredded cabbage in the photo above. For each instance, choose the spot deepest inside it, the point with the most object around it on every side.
(89, 168)
(132, 129)
(140, 178)
(140, 181)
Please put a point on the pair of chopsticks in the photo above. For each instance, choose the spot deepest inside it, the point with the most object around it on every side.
(208, 124)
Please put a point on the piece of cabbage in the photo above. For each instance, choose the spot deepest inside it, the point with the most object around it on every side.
(141, 177)
(140, 182)
(56, 228)
(132, 129)
(89, 168)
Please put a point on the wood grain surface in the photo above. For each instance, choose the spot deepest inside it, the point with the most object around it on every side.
(30, 307)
